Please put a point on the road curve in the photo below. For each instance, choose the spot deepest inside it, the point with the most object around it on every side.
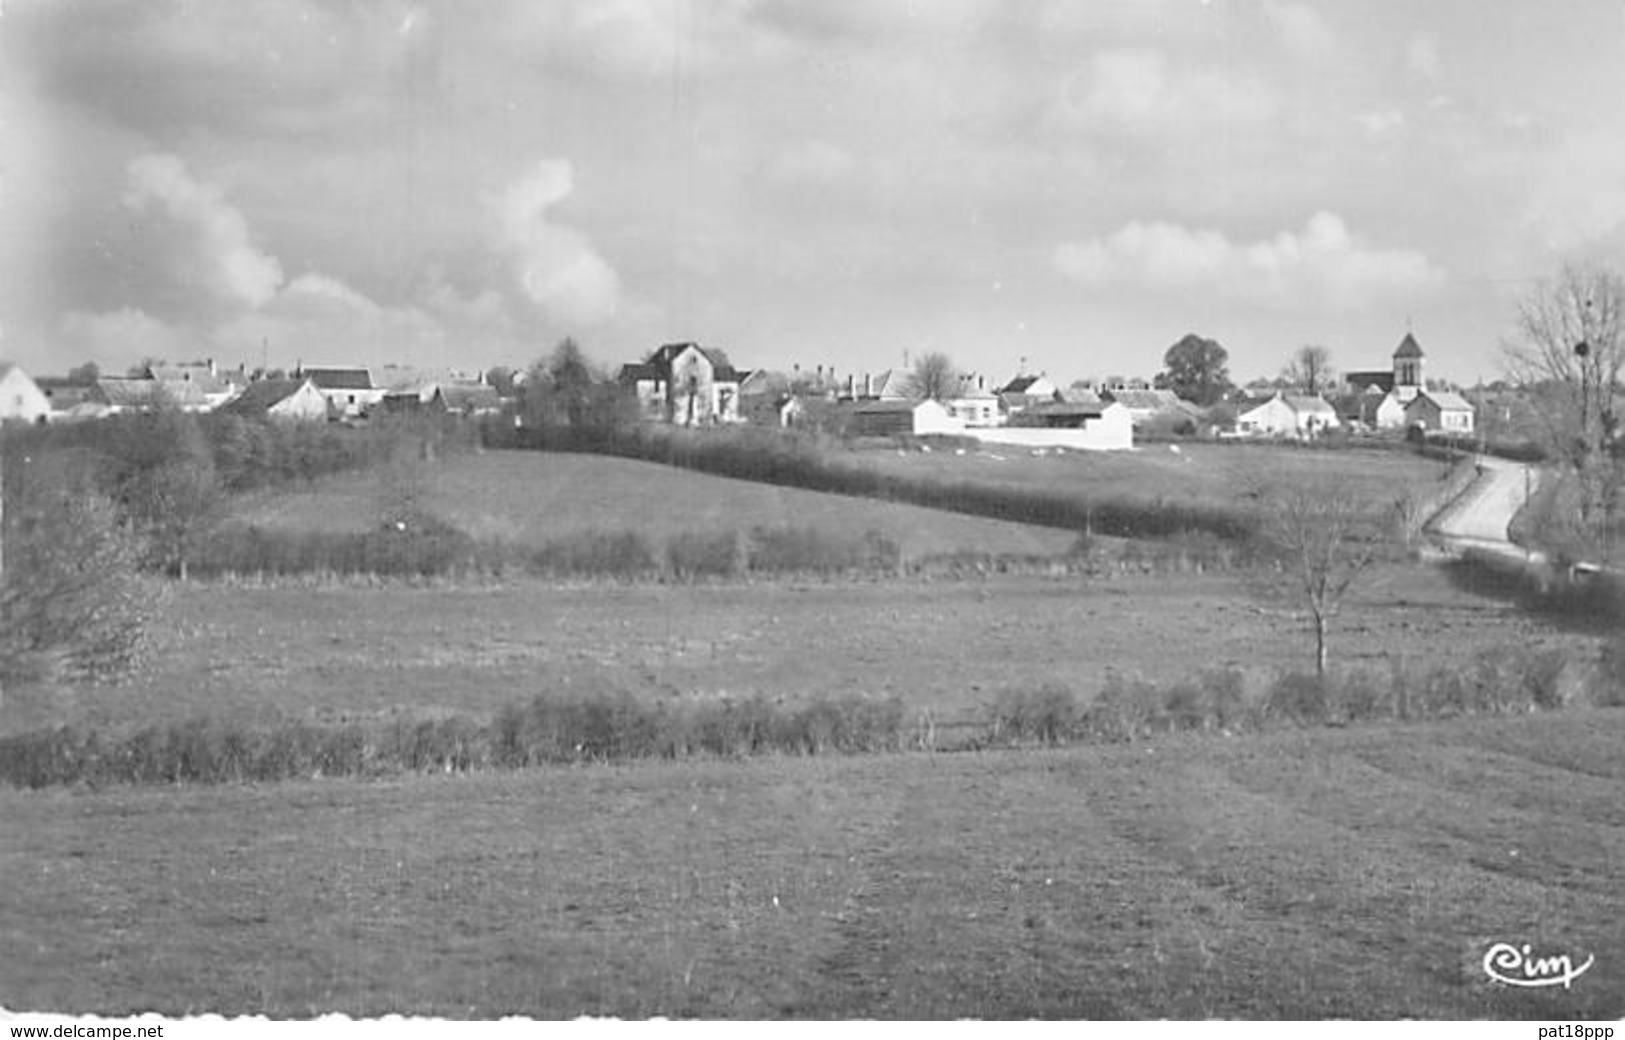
(1480, 516)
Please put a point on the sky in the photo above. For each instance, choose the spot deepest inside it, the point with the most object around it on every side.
(1059, 187)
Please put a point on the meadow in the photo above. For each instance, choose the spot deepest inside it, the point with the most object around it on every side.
(1355, 872)
(1358, 873)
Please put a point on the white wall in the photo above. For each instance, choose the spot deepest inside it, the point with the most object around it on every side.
(1113, 431)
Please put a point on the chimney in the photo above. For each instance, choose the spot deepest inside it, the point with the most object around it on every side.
(868, 385)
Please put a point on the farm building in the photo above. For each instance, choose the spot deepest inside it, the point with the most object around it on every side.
(1440, 410)
(680, 383)
(1024, 391)
(893, 418)
(1102, 426)
(1288, 415)
(974, 404)
(295, 400)
(203, 377)
(21, 399)
(1155, 407)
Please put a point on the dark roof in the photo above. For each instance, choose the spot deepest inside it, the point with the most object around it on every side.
(1068, 410)
(1019, 384)
(631, 373)
(1383, 381)
(881, 407)
(1408, 348)
(339, 378)
(261, 396)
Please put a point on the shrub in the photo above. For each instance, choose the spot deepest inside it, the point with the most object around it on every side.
(1297, 698)
(623, 555)
(699, 555)
(1123, 710)
(1048, 715)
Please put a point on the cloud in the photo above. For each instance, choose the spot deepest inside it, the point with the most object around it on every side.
(1138, 89)
(1322, 264)
(1301, 28)
(1422, 56)
(812, 162)
(214, 249)
(556, 265)
(118, 339)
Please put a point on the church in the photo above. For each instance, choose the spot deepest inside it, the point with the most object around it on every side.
(1390, 400)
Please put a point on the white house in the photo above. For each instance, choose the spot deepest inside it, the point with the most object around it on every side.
(350, 392)
(1440, 410)
(1288, 415)
(21, 399)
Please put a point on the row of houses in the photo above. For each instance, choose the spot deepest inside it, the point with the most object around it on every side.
(308, 394)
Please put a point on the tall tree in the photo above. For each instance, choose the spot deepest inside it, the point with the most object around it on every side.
(1310, 370)
(1196, 369)
(933, 378)
(1568, 351)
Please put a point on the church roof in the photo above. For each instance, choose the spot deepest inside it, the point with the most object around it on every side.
(1408, 348)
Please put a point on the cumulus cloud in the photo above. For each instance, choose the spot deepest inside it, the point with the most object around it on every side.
(121, 338)
(1139, 89)
(1321, 264)
(215, 249)
(557, 266)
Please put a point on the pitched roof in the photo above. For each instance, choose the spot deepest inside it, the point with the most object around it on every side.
(260, 396)
(1408, 348)
(1068, 409)
(1446, 400)
(1311, 405)
(1020, 384)
(339, 378)
(1146, 400)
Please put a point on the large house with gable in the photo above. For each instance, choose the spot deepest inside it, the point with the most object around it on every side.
(683, 384)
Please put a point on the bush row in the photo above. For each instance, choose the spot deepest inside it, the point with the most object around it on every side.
(421, 545)
(1507, 681)
(612, 728)
(544, 731)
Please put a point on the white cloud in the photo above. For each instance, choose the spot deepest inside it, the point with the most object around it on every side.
(557, 266)
(1321, 264)
(1138, 90)
(118, 339)
(1301, 27)
(1422, 56)
(216, 251)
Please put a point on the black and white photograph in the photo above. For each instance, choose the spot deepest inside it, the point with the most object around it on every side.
(660, 511)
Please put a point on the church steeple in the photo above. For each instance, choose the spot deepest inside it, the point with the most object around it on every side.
(1407, 368)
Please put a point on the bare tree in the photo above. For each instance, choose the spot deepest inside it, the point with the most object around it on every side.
(1568, 352)
(934, 378)
(1310, 370)
(1325, 539)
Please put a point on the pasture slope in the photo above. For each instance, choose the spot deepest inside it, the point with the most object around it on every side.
(1359, 873)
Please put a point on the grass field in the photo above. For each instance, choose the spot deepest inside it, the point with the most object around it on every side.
(331, 651)
(1184, 474)
(1356, 873)
(530, 497)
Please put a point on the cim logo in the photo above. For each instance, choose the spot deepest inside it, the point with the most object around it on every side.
(1517, 966)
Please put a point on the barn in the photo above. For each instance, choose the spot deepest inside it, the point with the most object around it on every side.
(896, 418)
